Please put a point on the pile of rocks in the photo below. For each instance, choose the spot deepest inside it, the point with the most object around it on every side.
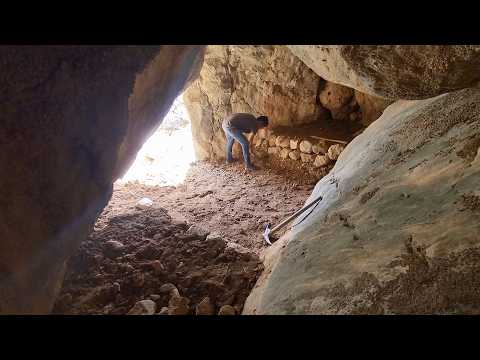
(318, 153)
(178, 305)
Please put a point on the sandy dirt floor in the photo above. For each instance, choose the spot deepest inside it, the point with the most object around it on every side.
(133, 253)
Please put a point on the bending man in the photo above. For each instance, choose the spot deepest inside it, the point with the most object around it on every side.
(237, 124)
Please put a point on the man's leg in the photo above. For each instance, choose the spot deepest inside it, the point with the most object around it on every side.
(237, 135)
(230, 141)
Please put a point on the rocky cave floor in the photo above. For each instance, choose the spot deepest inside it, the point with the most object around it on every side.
(155, 256)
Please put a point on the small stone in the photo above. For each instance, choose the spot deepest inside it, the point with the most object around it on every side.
(168, 288)
(155, 297)
(144, 307)
(138, 280)
(113, 249)
(282, 141)
(227, 310)
(213, 237)
(273, 150)
(158, 267)
(293, 144)
(316, 149)
(306, 157)
(284, 153)
(144, 203)
(197, 230)
(334, 151)
(205, 307)
(294, 155)
(163, 311)
(178, 305)
(321, 160)
(116, 287)
(305, 147)
(271, 140)
(262, 133)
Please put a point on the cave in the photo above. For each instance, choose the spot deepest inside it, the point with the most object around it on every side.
(97, 217)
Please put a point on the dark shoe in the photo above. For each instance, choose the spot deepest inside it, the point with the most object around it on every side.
(251, 167)
(230, 161)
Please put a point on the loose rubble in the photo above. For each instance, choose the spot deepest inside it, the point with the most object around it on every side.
(159, 263)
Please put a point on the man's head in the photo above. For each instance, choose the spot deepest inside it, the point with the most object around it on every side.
(263, 121)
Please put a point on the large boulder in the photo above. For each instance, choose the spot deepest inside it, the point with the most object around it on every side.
(261, 80)
(395, 71)
(72, 120)
(397, 231)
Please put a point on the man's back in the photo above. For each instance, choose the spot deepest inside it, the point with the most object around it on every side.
(242, 121)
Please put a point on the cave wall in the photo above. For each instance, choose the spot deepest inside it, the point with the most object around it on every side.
(262, 80)
(266, 80)
(397, 229)
(72, 119)
(395, 71)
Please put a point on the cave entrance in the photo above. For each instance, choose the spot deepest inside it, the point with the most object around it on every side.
(168, 154)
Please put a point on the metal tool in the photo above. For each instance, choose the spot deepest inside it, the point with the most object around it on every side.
(269, 231)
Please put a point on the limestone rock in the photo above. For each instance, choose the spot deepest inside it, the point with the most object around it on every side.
(272, 140)
(260, 80)
(158, 267)
(294, 155)
(262, 133)
(227, 310)
(367, 245)
(213, 236)
(284, 153)
(205, 307)
(155, 297)
(144, 203)
(282, 141)
(144, 307)
(305, 146)
(372, 107)
(198, 231)
(274, 150)
(178, 305)
(168, 288)
(293, 144)
(163, 311)
(395, 71)
(334, 151)
(113, 248)
(138, 280)
(90, 109)
(336, 98)
(321, 160)
(306, 157)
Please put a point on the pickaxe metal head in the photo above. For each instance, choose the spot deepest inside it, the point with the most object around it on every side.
(266, 233)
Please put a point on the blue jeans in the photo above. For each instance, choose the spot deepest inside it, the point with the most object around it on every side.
(233, 134)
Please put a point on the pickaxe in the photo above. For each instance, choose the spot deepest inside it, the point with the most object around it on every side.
(269, 231)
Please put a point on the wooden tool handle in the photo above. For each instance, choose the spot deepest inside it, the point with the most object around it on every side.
(299, 212)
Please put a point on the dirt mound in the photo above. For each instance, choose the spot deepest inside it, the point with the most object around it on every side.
(130, 256)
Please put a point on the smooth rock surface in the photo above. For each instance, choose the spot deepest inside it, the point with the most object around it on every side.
(395, 71)
(397, 229)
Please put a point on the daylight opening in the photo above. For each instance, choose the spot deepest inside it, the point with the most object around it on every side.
(167, 155)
